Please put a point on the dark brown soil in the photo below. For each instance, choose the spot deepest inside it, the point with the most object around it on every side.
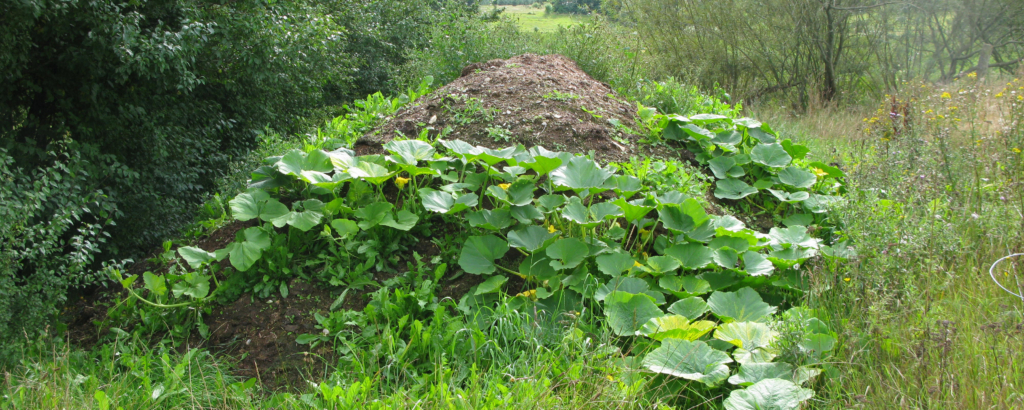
(538, 100)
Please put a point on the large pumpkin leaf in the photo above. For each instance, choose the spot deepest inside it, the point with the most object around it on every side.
(744, 305)
(621, 284)
(756, 265)
(684, 217)
(689, 360)
(627, 312)
(530, 238)
(490, 219)
(769, 394)
(373, 214)
(789, 197)
(567, 253)
(691, 308)
(770, 155)
(676, 327)
(403, 220)
(633, 210)
(248, 248)
(747, 335)
(538, 266)
(794, 235)
(196, 257)
(613, 264)
(751, 373)
(725, 167)
(370, 172)
(691, 255)
(480, 252)
(733, 189)
(580, 174)
(411, 151)
(575, 211)
(256, 203)
(797, 177)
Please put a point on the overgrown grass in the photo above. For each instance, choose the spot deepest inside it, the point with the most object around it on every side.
(531, 19)
(934, 202)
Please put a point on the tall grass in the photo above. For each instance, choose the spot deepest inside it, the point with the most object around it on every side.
(935, 198)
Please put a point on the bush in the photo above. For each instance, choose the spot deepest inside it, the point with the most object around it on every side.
(53, 224)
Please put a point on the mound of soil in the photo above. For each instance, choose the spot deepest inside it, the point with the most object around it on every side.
(530, 100)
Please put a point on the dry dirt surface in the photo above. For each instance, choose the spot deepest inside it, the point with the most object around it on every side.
(530, 100)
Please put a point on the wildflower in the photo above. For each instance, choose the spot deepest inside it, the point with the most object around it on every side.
(953, 108)
(1016, 150)
(504, 186)
(551, 229)
(610, 378)
(532, 293)
(819, 172)
(999, 95)
(846, 279)
(1020, 98)
(946, 95)
(928, 112)
(400, 182)
(941, 116)
(972, 75)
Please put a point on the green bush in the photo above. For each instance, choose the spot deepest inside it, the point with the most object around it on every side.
(53, 222)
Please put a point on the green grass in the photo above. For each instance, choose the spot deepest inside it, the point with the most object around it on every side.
(531, 20)
(922, 325)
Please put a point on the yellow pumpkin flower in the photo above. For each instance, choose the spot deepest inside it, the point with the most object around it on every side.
(637, 264)
(532, 294)
(400, 182)
(819, 172)
(504, 186)
(551, 229)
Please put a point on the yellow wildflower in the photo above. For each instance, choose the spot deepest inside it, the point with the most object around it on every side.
(551, 229)
(610, 378)
(846, 279)
(400, 182)
(941, 116)
(953, 108)
(999, 95)
(637, 264)
(972, 75)
(532, 293)
(1020, 98)
(1016, 150)
(819, 172)
(504, 186)
(928, 112)
(946, 95)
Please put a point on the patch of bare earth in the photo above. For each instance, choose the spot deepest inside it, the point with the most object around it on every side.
(530, 100)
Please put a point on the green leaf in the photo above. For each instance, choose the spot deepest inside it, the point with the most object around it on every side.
(633, 211)
(370, 172)
(613, 264)
(761, 135)
(770, 155)
(575, 211)
(492, 284)
(604, 210)
(689, 360)
(830, 171)
(624, 185)
(537, 266)
(243, 254)
(691, 308)
(155, 283)
(542, 165)
(196, 257)
(684, 217)
(797, 177)
(567, 253)
(751, 373)
(490, 219)
(411, 151)
(192, 284)
(530, 238)
(480, 252)
(755, 264)
(580, 174)
(747, 335)
(725, 167)
(373, 214)
(526, 214)
(744, 305)
(769, 394)
(789, 197)
(676, 327)
(621, 284)
(303, 220)
(794, 235)
(818, 343)
(404, 222)
(728, 137)
(733, 189)
(795, 150)
(344, 227)
(684, 286)
(691, 255)
(627, 312)
(520, 193)
(697, 133)
(550, 202)
(798, 219)
(662, 264)
(436, 201)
